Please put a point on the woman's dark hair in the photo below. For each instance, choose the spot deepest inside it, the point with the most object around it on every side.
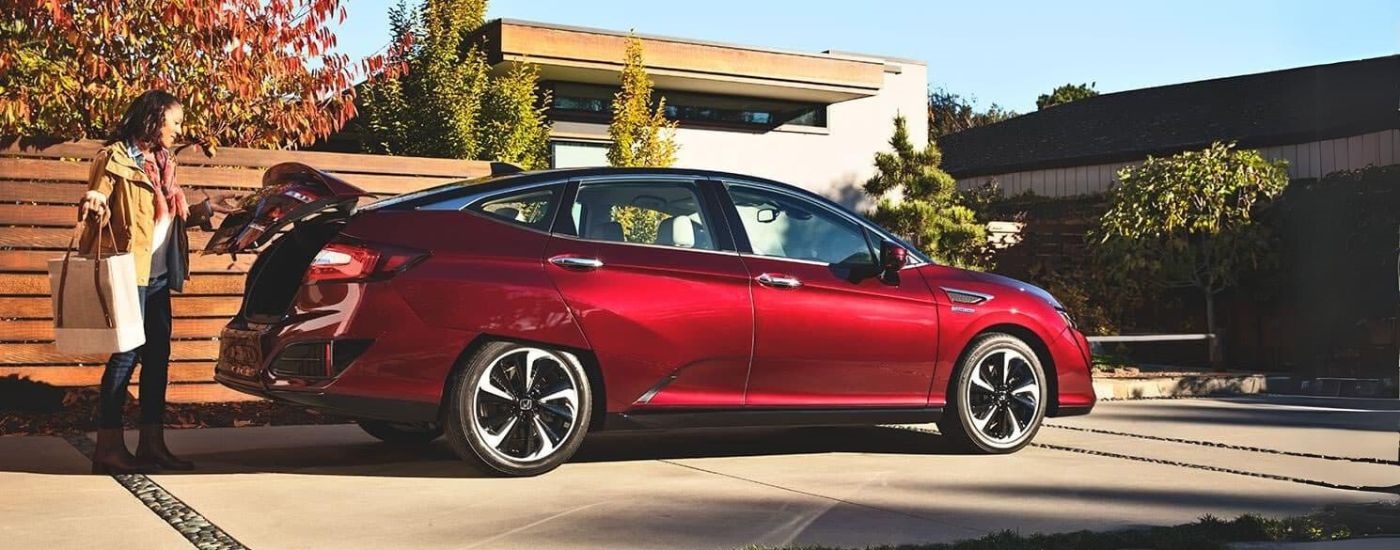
(144, 117)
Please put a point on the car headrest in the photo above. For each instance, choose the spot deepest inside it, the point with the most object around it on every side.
(678, 231)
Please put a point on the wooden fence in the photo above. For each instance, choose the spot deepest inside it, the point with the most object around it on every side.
(40, 184)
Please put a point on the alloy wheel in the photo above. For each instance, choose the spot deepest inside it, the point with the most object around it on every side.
(1003, 397)
(526, 405)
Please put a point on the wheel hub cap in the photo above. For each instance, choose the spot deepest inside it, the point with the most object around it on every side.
(1003, 397)
(526, 404)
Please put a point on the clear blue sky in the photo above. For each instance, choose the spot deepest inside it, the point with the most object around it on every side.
(997, 52)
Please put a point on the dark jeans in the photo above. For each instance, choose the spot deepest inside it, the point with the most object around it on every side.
(155, 362)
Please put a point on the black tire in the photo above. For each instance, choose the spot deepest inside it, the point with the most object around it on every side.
(979, 417)
(475, 416)
(401, 434)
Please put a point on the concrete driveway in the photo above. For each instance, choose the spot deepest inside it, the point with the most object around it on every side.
(1129, 464)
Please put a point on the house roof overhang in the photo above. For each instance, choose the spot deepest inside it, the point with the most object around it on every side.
(595, 56)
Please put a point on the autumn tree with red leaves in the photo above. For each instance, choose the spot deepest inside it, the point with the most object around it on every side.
(256, 73)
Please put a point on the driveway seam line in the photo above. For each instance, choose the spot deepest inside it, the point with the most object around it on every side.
(197, 529)
(1303, 481)
(824, 497)
(1230, 446)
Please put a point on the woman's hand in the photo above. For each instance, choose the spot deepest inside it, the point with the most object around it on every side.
(224, 202)
(93, 205)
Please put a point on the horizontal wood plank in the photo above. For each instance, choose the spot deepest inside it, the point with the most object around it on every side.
(69, 376)
(37, 284)
(43, 169)
(39, 192)
(52, 215)
(41, 330)
(28, 193)
(19, 169)
(47, 354)
(36, 215)
(41, 307)
(263, 158)
(37, 261)
(57, 238)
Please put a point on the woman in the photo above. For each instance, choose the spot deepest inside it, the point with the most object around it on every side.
(132, 188)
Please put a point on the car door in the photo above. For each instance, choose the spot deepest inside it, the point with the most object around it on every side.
(661, 296)
(829, 331)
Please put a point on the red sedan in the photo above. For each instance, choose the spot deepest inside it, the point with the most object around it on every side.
(518, 312)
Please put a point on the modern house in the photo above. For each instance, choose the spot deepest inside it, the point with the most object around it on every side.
(814, 120)
(1335, 314)
(1321, 119)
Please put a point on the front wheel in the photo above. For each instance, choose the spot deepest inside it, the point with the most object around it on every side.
(518, 409)
(998, 400)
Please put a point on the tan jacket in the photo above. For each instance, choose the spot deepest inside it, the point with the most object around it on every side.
(131, 210)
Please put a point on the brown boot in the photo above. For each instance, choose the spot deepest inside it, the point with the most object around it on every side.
(152, 447)
(112, 457)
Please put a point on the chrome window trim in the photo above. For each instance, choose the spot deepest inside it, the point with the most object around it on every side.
(792, 260)
(841, 213)
(806, 262)
(645, 245)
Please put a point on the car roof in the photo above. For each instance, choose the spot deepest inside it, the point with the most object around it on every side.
(599, 171)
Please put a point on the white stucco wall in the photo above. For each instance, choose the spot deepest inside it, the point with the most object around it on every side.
(833, 161)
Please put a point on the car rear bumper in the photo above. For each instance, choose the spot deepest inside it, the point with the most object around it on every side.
(392, 410)
(326, 354)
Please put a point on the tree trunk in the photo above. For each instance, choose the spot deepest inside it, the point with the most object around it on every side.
(1213, 338)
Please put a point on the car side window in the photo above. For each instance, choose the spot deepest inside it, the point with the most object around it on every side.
(530, 207)
(665, 213)
(783, 226)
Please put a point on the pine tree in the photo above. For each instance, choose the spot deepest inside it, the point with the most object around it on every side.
(513, 127)
(929, 212)
(641, 136)
(447, 82)
(433, 107)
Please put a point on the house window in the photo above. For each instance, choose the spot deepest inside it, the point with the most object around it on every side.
(577, 154)
(593, 103)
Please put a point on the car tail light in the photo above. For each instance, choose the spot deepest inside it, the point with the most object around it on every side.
(345, 261)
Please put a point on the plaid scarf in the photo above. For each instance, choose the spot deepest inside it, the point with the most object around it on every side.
(169, 198)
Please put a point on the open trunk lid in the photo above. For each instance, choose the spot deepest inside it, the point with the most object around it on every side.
(290, 192)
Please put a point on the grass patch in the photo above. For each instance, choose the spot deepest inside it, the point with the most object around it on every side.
(1331, 523)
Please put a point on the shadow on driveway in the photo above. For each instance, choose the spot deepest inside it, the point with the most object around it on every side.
(344, 450)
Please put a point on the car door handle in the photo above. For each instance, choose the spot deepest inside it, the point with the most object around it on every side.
(779, 281)
(575, 262)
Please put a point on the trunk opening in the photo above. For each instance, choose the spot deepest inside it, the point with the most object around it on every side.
(276, 276)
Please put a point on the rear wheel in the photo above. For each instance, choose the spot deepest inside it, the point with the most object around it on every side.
(401, 434)
(518, 409)
(998, 400)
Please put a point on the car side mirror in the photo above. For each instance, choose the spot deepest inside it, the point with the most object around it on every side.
(766, 215)
(892, 257)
